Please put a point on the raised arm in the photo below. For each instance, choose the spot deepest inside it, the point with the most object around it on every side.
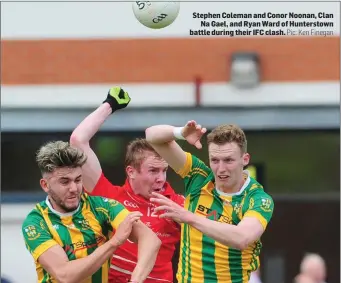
(84, 132)
(81, 137)
(162, 139)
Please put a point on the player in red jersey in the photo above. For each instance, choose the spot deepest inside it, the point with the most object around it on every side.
(146, 173)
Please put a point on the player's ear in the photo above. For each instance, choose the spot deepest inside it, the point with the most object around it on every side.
(130, 170)
(44, 185)
(246, 159)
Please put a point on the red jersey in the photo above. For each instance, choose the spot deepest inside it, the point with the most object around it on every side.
(125, 257)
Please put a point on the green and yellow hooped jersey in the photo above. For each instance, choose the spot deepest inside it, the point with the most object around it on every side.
(202, 259)
(79, 233)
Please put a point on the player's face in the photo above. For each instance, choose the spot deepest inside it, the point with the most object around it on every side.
(151, 177)
(227, 163)
(64, 187)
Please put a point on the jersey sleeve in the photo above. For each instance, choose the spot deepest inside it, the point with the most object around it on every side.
(105, 189)
(114, 212)
(36, 235)
(261, 206)
(194, 173)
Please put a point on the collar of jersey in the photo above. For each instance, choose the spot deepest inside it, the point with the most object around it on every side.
(167, 192)
(246, 183)
(59, 213)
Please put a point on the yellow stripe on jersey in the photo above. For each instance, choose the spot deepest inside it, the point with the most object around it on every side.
(95, 226)
(198, 171)
(119, 218)
(255, 186)
(103, 210)
(55, 236)
(76, 237)
(187, 166)
(105, 272)
(53, 231)
(92, 221)
(40, 273)
(195, 237)
(221, 255)
(43, 248)
(195, 257)
(262, 220)
(184, 236)
(247, 256)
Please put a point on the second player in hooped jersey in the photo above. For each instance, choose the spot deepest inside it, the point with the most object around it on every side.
(226, 211)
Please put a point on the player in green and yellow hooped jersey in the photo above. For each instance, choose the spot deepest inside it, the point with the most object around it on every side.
(68, 234)
(226, 211)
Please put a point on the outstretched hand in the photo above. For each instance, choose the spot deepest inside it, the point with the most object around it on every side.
(125, 227)
(169, 209)
(193, 132)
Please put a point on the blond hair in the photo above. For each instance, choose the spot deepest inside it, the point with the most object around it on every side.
(228, 134)
(137, 151)
(59, 154)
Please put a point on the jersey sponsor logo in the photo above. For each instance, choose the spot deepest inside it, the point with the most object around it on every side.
(128, 203)
(80, 245)
(266, 204)
(212, 214)
(31, 232)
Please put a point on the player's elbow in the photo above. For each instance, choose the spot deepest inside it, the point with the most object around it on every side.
(241, 244)
(155, 241)
(157, 245)
(66, 274)
(62, 276)
(150, 133)
(77, 141)
(141, 233)
(242, 241)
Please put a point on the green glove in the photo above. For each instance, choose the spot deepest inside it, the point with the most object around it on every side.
(117, 98)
